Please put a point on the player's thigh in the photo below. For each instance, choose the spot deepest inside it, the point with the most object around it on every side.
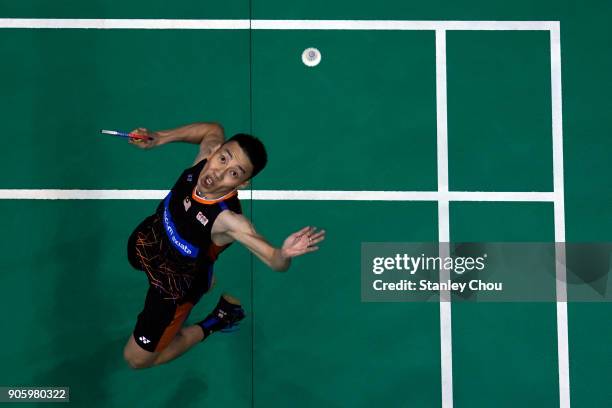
(136, 355)
(156, 326)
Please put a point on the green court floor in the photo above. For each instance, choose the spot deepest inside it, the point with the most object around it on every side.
(365, 119)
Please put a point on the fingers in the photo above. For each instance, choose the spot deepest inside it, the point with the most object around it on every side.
(142, 143)
(301, 232)
(309, 231)
(320, 234)
(314, 241)
(315, 236)
(130, 140)
(136, 131)
(306, 240)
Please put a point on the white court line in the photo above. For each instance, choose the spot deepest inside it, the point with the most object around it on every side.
(446, 334)
(286, 195)
(114, 24)
(559, 209)
(399, 25)
(172, 24)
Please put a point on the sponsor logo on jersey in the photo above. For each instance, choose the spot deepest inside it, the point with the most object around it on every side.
(187, 203)
(179, 243)
(189, 177)
(200, 217)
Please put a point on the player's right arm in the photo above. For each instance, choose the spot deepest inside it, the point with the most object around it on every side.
(209, 135)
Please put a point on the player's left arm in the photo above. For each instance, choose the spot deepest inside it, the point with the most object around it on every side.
(239, 228)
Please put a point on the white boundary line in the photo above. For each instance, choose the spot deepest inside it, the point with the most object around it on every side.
(285, 195)
(559, 209)
(173, 24)
(114, 24)
(442, 196)
(446, 334)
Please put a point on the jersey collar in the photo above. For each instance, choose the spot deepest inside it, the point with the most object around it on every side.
(216, 200)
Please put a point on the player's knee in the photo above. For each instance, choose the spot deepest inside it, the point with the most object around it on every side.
(135, 362)
(231, 299)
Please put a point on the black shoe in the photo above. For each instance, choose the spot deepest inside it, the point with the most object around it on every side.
(225, 318)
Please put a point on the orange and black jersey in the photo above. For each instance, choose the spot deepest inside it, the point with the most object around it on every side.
(174, 245)
(188, 219)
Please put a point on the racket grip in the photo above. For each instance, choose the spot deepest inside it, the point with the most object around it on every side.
(135, 136)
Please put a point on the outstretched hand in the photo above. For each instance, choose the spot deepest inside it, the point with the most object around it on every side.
(302, 242)
(144, 143)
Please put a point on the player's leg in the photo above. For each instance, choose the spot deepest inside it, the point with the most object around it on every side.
(156, 327)
(184, 340)
(159, 336)
(187, 337)
(226, 315)
(136, 356)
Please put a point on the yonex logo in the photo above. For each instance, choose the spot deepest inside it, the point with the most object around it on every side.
(144, 340)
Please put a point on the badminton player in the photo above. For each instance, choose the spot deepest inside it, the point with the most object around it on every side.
(178, 245)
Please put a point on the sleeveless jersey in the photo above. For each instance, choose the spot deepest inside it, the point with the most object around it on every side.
(174, 245)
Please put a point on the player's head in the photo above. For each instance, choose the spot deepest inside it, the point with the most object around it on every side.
(254, 149)
(233, 164)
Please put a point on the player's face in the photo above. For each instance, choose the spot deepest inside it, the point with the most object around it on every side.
(226, 169)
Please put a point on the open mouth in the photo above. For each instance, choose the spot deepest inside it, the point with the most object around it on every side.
(208, 181)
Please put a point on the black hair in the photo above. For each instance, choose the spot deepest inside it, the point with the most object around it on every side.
(254, 149)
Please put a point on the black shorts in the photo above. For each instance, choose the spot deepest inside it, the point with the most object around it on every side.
(160, 320)
(176, 284)
(177, 277)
